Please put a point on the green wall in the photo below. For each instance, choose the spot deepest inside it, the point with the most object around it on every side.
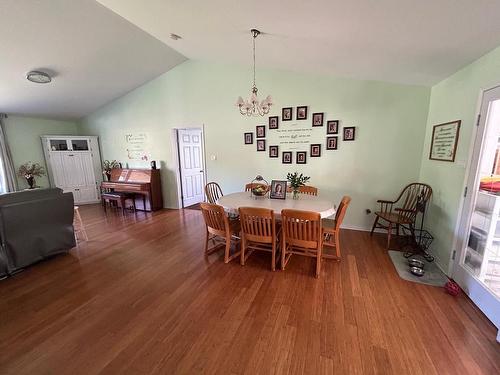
(389, 118)
(23, 135)
(455, 98)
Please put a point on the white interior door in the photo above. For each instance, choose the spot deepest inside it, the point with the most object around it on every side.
(191, 164)
(477, 266)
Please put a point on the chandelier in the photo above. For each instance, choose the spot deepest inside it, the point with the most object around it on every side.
(253, 107)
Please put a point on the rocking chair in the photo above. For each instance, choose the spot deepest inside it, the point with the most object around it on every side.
(411, 200)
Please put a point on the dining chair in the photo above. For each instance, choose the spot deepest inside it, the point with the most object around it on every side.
(221, 230)
(331, 229)
(301, 234)
(213, 192)
(413, 197)
(258, 232)
(79, 227)
(305, 189)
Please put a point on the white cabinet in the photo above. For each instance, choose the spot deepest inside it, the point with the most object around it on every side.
(74, 165)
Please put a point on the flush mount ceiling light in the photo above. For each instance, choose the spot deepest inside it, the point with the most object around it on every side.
(253, 107)
(38, 77)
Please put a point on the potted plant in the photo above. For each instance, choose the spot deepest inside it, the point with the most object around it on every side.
(296, 181)
(107, 166)
(29, 171)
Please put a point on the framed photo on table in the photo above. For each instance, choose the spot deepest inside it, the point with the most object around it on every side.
(278, 189)
(444, 141)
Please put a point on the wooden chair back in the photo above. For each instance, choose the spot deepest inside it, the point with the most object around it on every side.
(258, 224)
(213, 192)
(301, 228)
(306, 189)
(216, 219)
(339, 215)
(250, 186)
(408, 202)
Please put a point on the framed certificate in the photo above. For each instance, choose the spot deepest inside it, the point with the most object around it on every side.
(444, 141)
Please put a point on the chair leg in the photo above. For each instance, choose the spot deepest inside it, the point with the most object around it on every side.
(283, 254)
(206, 242)
(374, 225)
(228, 249)
(242, 252)
(337, 244)
(318, 263)
(389, 233)
(273, 259)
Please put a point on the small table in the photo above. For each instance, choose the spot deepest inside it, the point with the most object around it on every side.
(232, 202)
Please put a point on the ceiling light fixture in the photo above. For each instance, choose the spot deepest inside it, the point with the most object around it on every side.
(252, 107)
(38, 77)
(175, 36)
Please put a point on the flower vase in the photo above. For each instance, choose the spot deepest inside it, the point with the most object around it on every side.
(295, 194)
(31, 182)
(108, 176)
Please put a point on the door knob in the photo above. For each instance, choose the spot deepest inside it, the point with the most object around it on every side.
(201, 171)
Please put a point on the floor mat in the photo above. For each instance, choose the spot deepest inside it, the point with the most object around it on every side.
(433, 275)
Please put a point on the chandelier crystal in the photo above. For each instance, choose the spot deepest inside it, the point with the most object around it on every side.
(252, 106)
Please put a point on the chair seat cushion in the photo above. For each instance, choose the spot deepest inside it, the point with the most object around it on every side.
(393, 217)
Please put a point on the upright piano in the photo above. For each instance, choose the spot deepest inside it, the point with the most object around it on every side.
(144, 183)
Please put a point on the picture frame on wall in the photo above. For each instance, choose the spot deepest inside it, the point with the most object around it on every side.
(349, 133)
(273, 151)
(286, 157)
(331, 143)
(261, 145)
(286, 114)
(260, 131)
(273, 122)
(302, 112)
(315, 150)
(444, 141)
(317, 119)
(248, 138)
(332, 127)
(278, 189)
(301, 157)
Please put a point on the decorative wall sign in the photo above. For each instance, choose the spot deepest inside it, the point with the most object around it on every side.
(293, 138)
(349, 133)
(302, 113)
(273, 151)
(260, 131)
(286, 157)
(331, 143)
(332, 127)
(286, 114)
(444, 141)
(273, 122)
(137, 146)
(316, 150)
(278, 189)
(248, 138)
(301, 157)
(261, 145)
(317, 119)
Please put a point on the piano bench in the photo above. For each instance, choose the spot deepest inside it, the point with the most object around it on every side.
(117, 197)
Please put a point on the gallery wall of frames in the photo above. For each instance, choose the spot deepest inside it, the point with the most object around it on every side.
(294, 144)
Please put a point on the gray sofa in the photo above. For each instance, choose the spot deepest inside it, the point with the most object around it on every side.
(34, 225)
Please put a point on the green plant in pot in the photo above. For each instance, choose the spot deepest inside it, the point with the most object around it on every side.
(296, 180)
(29, 171)
(107, 166)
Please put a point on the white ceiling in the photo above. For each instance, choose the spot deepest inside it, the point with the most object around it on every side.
(405, 41)
(95, 54)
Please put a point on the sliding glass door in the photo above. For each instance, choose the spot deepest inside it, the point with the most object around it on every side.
(477, 266)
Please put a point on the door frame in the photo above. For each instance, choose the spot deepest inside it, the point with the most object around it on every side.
(478, 292)
(176, 158)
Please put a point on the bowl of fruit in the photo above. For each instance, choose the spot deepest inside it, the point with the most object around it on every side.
(259, 190)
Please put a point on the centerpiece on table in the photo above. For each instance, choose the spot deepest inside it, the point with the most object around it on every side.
(296, 181)
(29, 171)
(107, 166)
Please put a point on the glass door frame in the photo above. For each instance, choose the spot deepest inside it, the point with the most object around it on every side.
(477, 291)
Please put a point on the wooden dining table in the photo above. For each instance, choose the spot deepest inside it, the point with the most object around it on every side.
(232, 202)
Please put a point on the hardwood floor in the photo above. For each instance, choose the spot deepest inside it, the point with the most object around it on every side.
(140, 297)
